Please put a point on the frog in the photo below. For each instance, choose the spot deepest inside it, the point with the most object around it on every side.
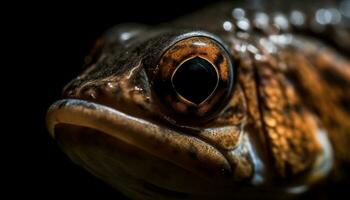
(238, 100)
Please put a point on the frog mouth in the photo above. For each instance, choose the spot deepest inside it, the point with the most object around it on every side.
(186, 151)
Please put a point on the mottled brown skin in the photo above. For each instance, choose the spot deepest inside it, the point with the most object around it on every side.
(328, 74)
(269, 134)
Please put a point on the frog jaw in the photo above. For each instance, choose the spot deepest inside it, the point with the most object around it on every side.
(203, 168)
(149, 137)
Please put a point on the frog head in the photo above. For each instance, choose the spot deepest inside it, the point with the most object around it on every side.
(163, 113)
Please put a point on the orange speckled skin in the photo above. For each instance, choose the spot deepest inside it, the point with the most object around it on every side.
(283, 121)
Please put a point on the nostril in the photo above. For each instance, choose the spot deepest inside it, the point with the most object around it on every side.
(89, 92)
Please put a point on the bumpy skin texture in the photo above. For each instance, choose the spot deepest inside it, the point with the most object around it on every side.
(299, 67)
(292, 85)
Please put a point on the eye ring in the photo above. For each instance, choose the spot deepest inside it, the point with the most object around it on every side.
(203, 58)
(181, 97)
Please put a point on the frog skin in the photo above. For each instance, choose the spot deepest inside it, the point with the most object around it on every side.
(239, 100)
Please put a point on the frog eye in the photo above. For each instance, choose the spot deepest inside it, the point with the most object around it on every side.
(202, 75)
(195, 79)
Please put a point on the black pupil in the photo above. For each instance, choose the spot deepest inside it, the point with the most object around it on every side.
(195, 80)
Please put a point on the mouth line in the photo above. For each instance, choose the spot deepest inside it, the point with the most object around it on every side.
(164, 191)
(181, 149)
(184, 150)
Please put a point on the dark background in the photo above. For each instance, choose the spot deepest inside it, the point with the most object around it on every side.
(47, 45)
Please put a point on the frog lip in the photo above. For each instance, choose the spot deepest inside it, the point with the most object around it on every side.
(206, 161)
(191, 154)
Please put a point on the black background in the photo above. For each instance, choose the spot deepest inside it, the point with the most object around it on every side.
(47, 43)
